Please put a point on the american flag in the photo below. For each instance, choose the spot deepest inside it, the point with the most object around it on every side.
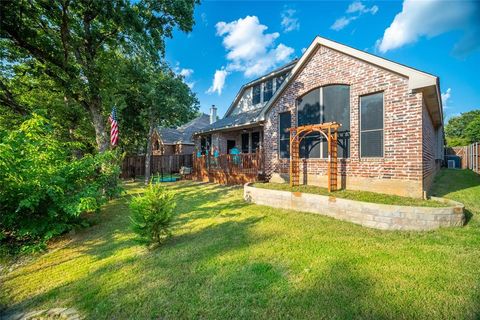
(113, 127)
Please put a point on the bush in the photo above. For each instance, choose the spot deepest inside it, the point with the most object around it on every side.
(45, 188)
(152, 213)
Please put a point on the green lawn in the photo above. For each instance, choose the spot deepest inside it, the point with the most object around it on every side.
(364, 196)
(228, 259)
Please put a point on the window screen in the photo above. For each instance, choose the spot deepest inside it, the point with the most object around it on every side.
(255, 141)
(336, 107)
(371, 125)
(285, 124)
(256, 94)
(244, 142)
(267, 90)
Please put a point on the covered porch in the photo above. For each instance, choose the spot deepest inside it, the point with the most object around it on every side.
(230, 156)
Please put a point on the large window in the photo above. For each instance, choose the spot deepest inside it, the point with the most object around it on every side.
(255, 141)
(371, 125)
(285, 124)
(256, 94)
(326, 104)
(267, 90)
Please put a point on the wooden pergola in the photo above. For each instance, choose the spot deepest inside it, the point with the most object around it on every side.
(330, 131)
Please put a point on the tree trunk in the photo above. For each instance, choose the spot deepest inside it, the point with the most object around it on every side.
(99, 123)
(148, 153)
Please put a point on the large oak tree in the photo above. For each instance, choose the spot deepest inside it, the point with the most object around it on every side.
(72, 40)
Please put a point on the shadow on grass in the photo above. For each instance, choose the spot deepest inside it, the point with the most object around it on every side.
(451, 180)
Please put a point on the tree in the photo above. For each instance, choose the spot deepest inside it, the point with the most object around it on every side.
(71, 40)
(461, 130)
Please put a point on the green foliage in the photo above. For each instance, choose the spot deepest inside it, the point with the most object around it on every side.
(152, 213)
(463, 129)
(45, 187)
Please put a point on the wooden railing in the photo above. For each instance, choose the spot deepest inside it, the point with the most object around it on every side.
(229, 168)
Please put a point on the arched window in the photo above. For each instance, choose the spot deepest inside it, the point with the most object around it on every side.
(325, 104)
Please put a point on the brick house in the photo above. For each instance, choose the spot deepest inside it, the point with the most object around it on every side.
(171, 141)
(391, 139)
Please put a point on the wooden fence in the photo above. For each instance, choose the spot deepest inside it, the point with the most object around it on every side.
(229, 168)
(134, 166)
(472, 157)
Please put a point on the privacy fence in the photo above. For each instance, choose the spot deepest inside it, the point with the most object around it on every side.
(472, 157)
(134, 166)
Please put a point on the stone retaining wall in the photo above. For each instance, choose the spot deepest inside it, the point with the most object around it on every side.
(373, 215)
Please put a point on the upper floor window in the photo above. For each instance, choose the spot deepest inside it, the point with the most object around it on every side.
(279, 79)
(267, 90)
(325, 104)
(256, 94)
(371, 125)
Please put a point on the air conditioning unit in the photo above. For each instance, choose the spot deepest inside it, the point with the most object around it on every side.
(451, 164)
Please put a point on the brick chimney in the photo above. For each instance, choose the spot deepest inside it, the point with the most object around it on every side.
(213, 114)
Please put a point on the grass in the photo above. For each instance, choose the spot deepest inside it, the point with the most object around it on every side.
(230, 259)
(356, 195)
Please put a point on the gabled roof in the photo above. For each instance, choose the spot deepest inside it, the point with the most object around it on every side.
(416, 79)
(243, 119)
(284, 68)
(183, 134)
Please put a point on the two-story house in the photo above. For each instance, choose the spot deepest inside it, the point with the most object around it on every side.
(391, 135)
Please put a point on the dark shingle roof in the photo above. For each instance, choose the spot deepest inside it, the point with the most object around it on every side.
(183, 134)
(244, 118)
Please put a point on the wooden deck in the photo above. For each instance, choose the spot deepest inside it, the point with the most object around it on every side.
(229, 169)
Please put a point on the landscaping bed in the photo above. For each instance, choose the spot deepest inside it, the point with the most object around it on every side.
(364, 196)
(393, 216)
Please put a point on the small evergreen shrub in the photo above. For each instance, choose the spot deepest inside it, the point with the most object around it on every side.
(152, 213)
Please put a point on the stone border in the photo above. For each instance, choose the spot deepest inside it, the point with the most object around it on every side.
(373, 215)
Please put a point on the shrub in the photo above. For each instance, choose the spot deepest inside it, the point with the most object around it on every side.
(152, 213)
(44, 187)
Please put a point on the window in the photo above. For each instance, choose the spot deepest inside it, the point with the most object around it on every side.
(255, 141)
(280, 80)
(326, 104)
(371, 125)
(245, 138)
(285, 124)
(256, 94)
(309, 113)
(205, 143)
(267, 90)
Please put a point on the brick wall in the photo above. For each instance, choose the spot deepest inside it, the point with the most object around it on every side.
(429, 141)
(402, 161)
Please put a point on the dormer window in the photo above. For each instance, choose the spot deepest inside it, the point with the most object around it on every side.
(267, 90)
(256, 94)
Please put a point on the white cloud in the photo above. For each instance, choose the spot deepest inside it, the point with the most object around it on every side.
(353, 12)
(304, 49)
(430, 18)
(289, 22)
(445, 97)
(250, 50)
(357, 6)
(186, 72)
(218, 81)
(341, 23)
(203, 16)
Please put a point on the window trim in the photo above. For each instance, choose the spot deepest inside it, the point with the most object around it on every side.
(280, 137)
(360, 126)
(321, 115)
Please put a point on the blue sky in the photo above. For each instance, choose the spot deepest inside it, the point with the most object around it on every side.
(238, 41)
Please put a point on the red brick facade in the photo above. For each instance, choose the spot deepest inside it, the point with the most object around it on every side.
(408, 157)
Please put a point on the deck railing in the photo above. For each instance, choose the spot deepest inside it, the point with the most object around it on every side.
(249, 165)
